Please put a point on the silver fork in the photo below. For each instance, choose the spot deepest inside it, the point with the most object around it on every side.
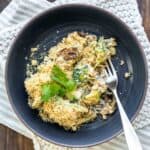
(130, 134)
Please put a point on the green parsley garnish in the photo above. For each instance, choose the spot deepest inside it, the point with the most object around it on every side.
(50, 90)
(61, 78)
(60, 85)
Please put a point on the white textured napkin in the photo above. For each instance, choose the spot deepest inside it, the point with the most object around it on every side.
(19, 12)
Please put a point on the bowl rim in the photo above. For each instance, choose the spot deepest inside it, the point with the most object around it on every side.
(56, 8)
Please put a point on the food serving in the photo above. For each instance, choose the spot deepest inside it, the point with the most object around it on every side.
(68, 86)
(31, 67)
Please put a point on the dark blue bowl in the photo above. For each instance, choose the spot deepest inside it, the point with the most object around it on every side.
(43, 30)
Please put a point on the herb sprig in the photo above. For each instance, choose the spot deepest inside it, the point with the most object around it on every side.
(60, 85)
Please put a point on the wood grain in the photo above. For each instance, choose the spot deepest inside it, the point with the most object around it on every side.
(3, 137)
(144, 6)
(3, 4)
(9, 139)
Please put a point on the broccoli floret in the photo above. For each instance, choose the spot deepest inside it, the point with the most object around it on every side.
(80, 74)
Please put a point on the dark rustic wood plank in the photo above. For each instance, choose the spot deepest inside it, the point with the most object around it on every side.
(27, 144)
(17, 141)
(147, 14)
(3, 4)
(140, 5)
(2, 137)
(11, 140)
(148, 33)
(144, 6)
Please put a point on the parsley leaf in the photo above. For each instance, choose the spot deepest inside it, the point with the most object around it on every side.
(60, 86)
(50, 90)
(61, 78)
(58, 75)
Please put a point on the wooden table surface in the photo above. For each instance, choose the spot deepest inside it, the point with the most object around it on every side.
(9, 139)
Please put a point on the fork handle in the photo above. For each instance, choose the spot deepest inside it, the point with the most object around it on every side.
(130, 134)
